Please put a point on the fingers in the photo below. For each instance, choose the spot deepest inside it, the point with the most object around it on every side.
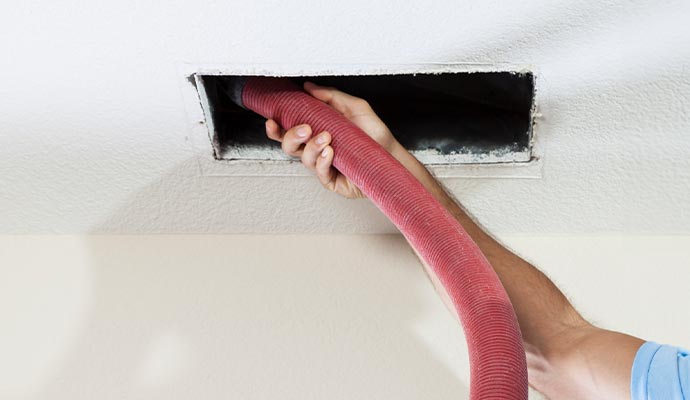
(294, 139)
(317, 155)
(324, 168)
(274, 131)
(313, 149)
(346, 104)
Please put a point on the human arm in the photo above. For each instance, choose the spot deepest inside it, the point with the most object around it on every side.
(567, 356)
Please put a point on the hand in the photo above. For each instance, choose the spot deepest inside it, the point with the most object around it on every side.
(315, 150)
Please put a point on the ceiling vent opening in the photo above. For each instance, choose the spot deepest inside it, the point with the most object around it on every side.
(442, 118)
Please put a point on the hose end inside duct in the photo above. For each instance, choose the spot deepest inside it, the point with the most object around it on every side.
(233, 87)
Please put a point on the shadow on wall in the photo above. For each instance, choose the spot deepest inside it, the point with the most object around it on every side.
(252, 317)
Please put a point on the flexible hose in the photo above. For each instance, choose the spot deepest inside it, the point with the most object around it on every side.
(497, 357)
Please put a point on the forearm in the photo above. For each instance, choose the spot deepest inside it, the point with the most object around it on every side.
(567, 357)
(539, 315)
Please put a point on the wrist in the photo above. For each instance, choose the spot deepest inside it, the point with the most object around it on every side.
(390, 144)
(411, 163)
(393, 147)
(400, 153)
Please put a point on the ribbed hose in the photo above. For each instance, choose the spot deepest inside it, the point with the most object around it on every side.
(497, 357)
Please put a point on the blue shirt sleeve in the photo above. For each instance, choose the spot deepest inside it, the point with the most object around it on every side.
(660, 372)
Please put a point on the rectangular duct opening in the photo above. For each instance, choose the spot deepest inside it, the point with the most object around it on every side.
(442, 118)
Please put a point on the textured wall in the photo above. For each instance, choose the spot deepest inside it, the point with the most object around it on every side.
(94, 136)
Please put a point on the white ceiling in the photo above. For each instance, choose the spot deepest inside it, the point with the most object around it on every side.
(94, 135)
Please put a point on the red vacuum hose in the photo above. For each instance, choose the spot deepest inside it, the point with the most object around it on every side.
(497, 357)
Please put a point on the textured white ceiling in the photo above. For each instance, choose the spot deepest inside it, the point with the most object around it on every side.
(94, 136)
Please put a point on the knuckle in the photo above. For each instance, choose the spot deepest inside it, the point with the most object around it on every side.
(310, 150)
(361, 103)
(318, 168)
(307, 161)
(323, 176)
(289, 147)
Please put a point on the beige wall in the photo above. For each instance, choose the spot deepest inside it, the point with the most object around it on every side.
(289, 317)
